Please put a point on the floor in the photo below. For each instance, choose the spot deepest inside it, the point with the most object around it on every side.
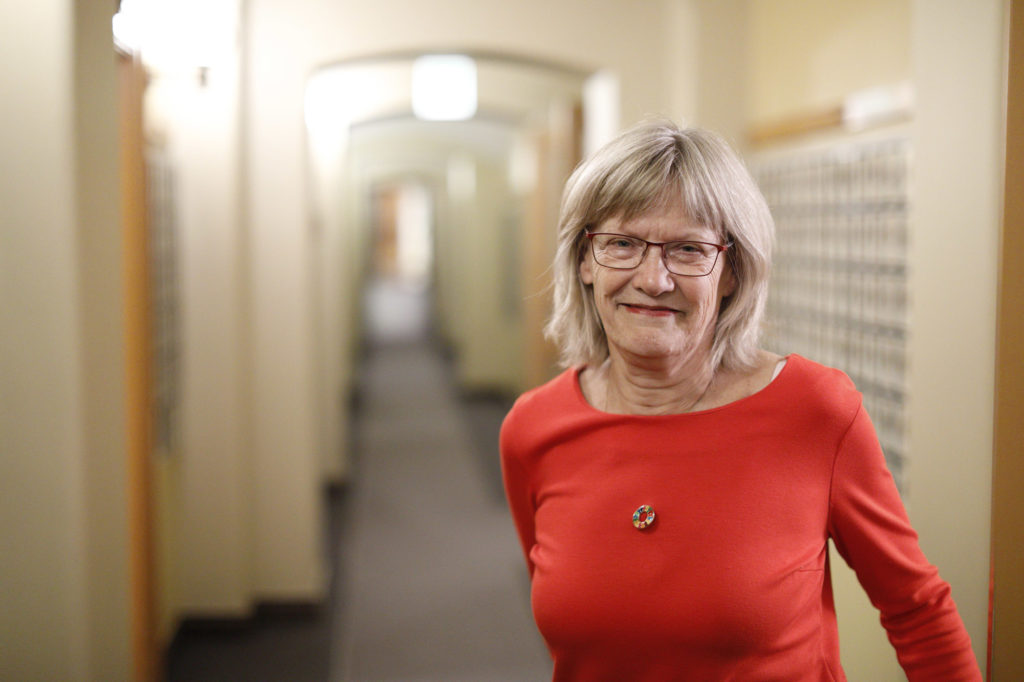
(428, 580)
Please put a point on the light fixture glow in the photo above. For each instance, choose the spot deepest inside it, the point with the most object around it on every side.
(174, 35)
(444, 87)
(127, 26)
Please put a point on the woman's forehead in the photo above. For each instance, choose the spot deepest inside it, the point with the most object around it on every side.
(669, 221)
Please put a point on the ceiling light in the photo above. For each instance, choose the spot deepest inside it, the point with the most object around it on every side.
(444, 87)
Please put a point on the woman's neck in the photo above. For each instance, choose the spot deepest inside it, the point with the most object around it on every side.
(653, 386)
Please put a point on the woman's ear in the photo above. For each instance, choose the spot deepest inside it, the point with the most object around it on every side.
(727, 283)
(586, 268)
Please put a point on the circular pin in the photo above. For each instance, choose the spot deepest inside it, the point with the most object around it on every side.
(643, 516)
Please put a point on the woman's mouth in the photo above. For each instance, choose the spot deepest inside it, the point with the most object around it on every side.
(641, 309)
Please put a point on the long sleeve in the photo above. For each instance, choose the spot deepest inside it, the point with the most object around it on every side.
(870, 528)
(517, 491)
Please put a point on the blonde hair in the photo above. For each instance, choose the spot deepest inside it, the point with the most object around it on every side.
(630, 175)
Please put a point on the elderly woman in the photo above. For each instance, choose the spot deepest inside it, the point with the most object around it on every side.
(675, 489)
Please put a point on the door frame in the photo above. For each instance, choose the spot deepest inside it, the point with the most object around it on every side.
(1006, 614)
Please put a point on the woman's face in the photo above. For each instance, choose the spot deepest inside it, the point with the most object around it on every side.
(649, 312)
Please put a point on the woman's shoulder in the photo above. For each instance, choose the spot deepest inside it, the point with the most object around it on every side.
(555, 394)
(556, 388)
(821, 390)
(818, 376)
(536, 412)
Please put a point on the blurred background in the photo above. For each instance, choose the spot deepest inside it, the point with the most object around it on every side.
(271, 272)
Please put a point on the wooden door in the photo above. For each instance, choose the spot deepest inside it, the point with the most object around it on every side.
(138, 370)
(1006, 632)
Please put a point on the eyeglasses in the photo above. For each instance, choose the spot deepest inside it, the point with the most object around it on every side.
(622, 252)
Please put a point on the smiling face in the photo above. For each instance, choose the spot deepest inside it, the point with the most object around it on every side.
(648, 313)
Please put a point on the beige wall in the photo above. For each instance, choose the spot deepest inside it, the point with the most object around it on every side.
(808, 55)
(492, 353)
(721, 66)
(285, 464)
(204, 478)
(756, 63)
(958, 57)
(239, 494)
(64, 605)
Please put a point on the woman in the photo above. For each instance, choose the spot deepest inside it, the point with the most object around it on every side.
(675, 489)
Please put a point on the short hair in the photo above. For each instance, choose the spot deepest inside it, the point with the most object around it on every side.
(630, 175)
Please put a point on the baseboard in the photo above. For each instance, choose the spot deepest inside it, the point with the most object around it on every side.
(262, 613)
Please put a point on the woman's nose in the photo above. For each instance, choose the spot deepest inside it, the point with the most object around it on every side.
(651, 276)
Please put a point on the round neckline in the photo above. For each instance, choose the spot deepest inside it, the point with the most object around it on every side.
(578, 391)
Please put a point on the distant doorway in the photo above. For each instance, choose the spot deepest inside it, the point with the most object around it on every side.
(396, 305)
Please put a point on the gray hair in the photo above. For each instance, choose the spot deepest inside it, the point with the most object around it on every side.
(629, 176)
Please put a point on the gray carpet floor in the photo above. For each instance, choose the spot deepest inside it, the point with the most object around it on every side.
(435, 586)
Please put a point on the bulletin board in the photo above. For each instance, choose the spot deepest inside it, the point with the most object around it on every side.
(839, 282)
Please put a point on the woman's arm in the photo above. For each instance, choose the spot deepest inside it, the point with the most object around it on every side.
(870, 528)
(517, 489)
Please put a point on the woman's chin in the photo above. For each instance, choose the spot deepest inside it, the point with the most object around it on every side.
(649, 346)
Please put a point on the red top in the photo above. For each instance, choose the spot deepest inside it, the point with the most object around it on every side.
(731, 580)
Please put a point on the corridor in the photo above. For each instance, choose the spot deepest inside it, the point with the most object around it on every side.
(433, 584)
(428, 584)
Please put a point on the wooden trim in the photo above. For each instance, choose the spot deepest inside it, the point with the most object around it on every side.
(832, 118)
(138, 371)
(800, 124)
(1006, 636)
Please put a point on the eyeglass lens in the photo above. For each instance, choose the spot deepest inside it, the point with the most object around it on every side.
(681, 258)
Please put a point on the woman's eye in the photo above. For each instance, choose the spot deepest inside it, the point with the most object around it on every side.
(689, 251)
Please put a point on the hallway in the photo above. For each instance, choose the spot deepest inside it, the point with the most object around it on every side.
(434, 585)
(429, 583)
